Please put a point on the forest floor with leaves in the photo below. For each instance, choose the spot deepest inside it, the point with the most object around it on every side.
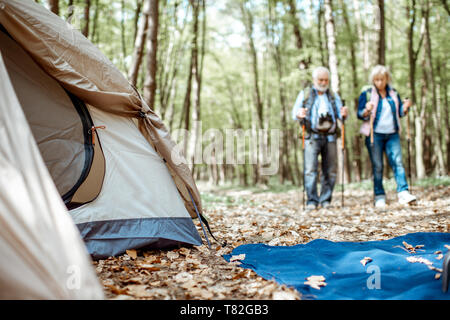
(273, 216)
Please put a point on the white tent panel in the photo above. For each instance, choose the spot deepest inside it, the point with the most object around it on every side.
(137, 183)
(42, 254)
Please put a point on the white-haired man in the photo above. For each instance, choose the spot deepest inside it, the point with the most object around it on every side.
(319, 108)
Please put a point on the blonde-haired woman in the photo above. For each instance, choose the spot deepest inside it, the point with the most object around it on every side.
(380, 108)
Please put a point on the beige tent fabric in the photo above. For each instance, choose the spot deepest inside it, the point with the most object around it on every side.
(81, 68)
(56, 126)
(42, 253)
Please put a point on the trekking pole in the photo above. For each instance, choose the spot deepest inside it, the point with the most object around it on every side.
(371, 140)
(371, 130)
(408, 138)
(343, 157)
(303, 151)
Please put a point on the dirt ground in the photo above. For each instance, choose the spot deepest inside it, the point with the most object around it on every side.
(274, 218)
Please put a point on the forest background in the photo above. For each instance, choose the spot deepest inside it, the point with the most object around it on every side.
(207, 67)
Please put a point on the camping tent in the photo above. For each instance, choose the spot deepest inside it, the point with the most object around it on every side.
(42, 254)
(110, 156)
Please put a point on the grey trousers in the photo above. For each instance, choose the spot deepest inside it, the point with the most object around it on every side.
(313, 148)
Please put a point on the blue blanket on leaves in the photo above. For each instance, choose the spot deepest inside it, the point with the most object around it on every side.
(389, 275)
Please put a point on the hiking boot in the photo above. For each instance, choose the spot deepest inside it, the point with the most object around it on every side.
(310, 207)
(326, 204)
(380, 201)
(405, 197)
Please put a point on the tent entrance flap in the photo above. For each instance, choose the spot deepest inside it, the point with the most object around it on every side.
(59, 121)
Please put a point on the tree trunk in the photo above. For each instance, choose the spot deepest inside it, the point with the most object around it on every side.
(152, 49)
(446, 110)
(446, 6)
(420, 126)
(171, 108)
(170, 66)
(304, 63)
(277, 57)
(197, 73)
(139, 44)
(186, 113)
(295, 24)
(54, 6)
(429, 63)
(331, 44)
(413, 54)
(94, 35)
(122, 36)
(323, 49)
(363, 39)
(248, 23)
(381, 45)
(87, 8)
(136, 18)
(356, 154)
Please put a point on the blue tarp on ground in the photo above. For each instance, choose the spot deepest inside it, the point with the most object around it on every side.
(388, 276)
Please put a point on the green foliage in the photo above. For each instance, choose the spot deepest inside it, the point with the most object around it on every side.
(210, 200)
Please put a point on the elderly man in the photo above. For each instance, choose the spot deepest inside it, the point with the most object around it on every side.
(318, 109)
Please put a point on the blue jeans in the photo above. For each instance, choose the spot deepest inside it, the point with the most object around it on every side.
(390, 144)
(327, 149)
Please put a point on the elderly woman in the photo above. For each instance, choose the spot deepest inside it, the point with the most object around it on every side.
(380, 108)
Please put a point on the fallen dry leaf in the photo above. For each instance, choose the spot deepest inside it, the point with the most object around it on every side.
(283, 295)
(243, 274)
(315, 282)
(203, 293)
(408, 246)
(419, 260)
(435, 269)
(133, 280)
(411, 249)
(116, 290)
(132, 254)
(173, 255)
(365, 261)
(183, 277)
(184, 251)
(237, 257)
(137, 290)
(149, 267)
